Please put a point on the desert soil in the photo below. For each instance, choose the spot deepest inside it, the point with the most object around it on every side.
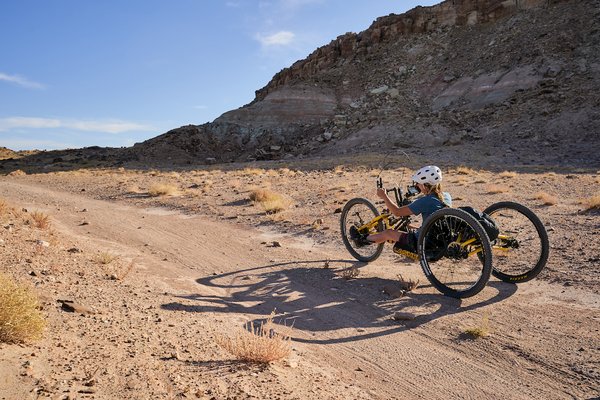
(155, 279)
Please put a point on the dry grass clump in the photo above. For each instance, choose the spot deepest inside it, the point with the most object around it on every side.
(408, 285)
(105, 258)
(495, 189)
(259, 344)
(462, 170)
(40, 220)
(350, 273)
(592, 203)
(20, 317)
(479, 331)
(162, 189)
(271, 202)
(17, 172)
(4, 207)
(507, 174)
(547, 199)
(253, 171)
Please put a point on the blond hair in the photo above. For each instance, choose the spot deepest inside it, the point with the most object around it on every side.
(437, 190)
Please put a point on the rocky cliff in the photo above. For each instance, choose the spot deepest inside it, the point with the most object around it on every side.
(487, 77)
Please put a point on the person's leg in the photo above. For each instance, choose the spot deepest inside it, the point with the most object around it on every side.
(384, 236)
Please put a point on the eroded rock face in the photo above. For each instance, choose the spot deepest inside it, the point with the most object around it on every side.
(418, 20)
(487, 73)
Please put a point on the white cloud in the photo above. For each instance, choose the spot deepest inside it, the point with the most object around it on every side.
(281, 38)
(21, 81)
(29, 144)
(108, 126)
(298, 3)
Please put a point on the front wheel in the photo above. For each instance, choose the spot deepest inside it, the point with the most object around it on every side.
(522, 247)
(455, 253)
(358, 213)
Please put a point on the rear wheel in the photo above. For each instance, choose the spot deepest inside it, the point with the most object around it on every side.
(357, 212)
(447, 244)
(521, 250)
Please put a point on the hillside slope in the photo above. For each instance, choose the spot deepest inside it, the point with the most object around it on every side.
(487, 79)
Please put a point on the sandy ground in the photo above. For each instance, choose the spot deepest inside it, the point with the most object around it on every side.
(202, 262)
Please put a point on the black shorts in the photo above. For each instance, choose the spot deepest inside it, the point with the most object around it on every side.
(407, 241)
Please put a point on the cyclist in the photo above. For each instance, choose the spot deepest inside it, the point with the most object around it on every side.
(428, 180)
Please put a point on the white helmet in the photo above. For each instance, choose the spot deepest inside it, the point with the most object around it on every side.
(429, 174)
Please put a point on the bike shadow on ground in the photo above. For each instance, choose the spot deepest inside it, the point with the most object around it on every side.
(322, 305)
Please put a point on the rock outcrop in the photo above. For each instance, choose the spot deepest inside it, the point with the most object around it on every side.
(490, 78)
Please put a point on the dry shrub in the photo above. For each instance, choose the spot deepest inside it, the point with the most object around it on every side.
(462, 170)
(592, 203)
(270, 201)
(495, 189)
(105, 258)
(481, 330)
(253, 171)
(287, 172)
(260, 344)
(350, 273)
(40, 220)
(162, 189)
(17, 172)
(20, 317)
(408, 285)
(508, 174)
(547, 199)
(4, 207)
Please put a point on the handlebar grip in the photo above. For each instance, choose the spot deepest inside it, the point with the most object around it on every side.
(379, 183)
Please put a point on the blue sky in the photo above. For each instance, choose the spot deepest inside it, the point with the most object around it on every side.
(76, 73)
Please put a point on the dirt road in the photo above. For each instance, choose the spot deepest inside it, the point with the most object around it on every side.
(151, 335)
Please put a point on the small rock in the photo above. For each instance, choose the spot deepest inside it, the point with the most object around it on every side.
(403, 316)
(327, 136)
(42, 243)
(75, 250)
(71, 306)
(379, 90)
(275, 244)
(337, 210)
(210, 160)
(84, 223)
(394, 291)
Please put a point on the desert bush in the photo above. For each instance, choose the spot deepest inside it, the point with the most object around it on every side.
(508, 174)
(592, 203)
(479, 331)
(253, 171)
(40, 220)
(20, 317)
(407, 285)
(270, 201)
(350, 273)
(4, 207)
(105, 258)
(462, 170)
(260, 344)
(162, 189)
(547, 199)
(495, 189)
(17, 172)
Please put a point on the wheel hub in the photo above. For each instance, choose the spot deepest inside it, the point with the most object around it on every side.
(456, 251)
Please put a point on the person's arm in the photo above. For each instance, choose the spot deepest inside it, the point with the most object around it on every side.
(394, 209)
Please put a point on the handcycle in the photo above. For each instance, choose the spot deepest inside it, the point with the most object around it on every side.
(453, 248)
